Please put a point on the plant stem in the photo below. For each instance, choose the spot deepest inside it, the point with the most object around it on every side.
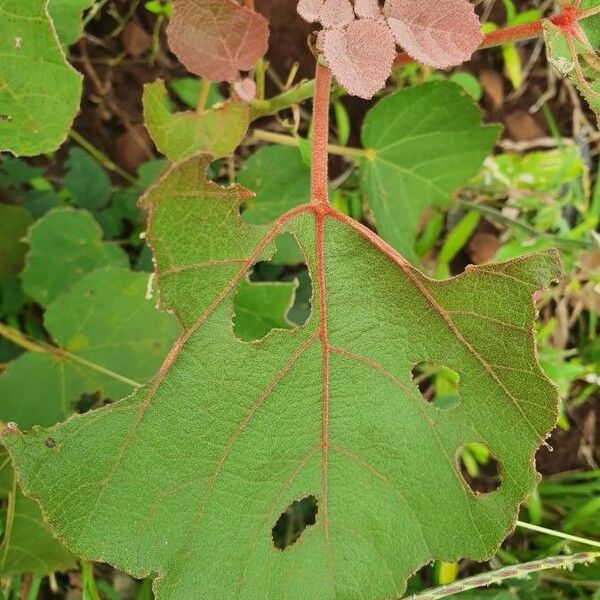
(16, 337)
(296, 95)
(204, 91)
(102, 158)
(558, 534)
(319, 180)
(495, 577)
(289, 140)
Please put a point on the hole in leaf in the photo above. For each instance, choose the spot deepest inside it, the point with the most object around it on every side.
(480, 469)
(275, 295)
(438, 384)
(293, 521)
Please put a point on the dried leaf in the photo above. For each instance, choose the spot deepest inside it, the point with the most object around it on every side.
(440, 34)
(360, 56)
(217, 38)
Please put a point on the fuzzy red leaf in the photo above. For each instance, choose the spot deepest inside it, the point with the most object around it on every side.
(367, 8)
(336, 13)
(217, 38)
(442, 34)
(309, 9)
(361, 55)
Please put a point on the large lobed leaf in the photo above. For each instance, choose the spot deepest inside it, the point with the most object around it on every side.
(187, 476)
(39, 91)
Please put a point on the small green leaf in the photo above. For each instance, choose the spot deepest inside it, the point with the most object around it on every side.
(86, 180)
(187, 89)
(64, 245)
(39, 91)
(424, 143)
(66, 15)
(218, 131)
(14, 223)
(280, 180)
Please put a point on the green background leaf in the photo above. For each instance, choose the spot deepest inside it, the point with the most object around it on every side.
(64, 245)
(14, 223)
(66, 15)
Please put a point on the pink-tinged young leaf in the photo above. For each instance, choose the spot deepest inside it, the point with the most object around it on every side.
(245, 89)
(309, 9)
(360, 56)
(336, 13)
(442, 34)
(217, 38)
(367, 9)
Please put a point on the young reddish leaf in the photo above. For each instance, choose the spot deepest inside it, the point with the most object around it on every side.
(360, 56)
(245, 89)
(367, 9)
(336, 13)
(310, 10)
(217, 38)
(231, 433)
(440, 34)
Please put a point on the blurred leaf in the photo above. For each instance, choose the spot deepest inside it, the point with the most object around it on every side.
(64, 245)
(86, 180)
(67, 18)
(39, 90)
(187, 89)
(261, 307)
(14, 223)
(280, 180)
(104, 319)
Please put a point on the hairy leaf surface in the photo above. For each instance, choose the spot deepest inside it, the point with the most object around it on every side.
(229, 433)
(217, 131)
(217, 38)
(440, 34)
(425, 142)
(65, 245)
(39, 91)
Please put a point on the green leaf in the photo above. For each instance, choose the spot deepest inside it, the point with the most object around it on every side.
(86, 180)
(28, 545)
(187, 89)
(423, 143)
(280, 180)
(181, 135)
(67, 18)
(187, 476)
(64, 245)
(261, 307)
(39, 91)
(14, 223)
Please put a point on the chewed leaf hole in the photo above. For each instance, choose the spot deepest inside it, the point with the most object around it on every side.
(293, 521)
(480, 469)
(275, 295)
(438, 384)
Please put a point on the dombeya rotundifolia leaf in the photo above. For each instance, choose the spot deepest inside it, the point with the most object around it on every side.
(187, 477)
(39, 91)
(423, 143)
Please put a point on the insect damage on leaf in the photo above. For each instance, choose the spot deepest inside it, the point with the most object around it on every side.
(216, 39)
(359, 39)
(326, 411)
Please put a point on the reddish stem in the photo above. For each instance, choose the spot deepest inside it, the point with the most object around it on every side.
(319, 176)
